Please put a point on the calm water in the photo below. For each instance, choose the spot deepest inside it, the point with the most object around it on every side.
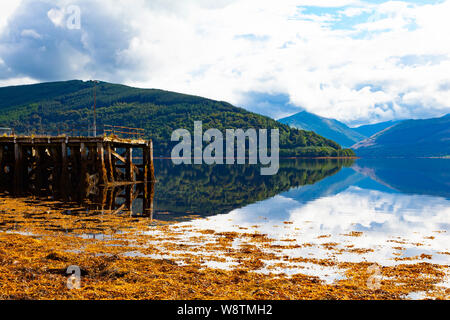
(400, 209)
(399, 186)
(388, 211)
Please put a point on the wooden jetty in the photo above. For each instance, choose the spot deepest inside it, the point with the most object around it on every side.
(41, 161)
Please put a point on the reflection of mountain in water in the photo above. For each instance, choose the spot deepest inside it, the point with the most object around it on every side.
(211, 190)
(413, 176)
(218, 189)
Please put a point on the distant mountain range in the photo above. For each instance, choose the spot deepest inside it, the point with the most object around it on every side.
(330, 128)
(369, 130)
(409, 138)
(334, 129)
(396, 138)
(67, 107)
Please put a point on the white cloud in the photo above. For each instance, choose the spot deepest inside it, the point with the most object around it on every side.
(17, 81)
(56, 16)
(30, 33)
(6, 9)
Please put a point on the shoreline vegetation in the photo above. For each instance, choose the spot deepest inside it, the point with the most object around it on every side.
(122, 257)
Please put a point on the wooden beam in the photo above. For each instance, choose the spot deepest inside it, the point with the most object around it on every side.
(118, 156)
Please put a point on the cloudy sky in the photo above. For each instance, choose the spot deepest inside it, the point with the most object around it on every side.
(356, 61)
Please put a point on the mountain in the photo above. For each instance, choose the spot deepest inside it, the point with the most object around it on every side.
(370, 129)
(66, 107)
(329, 128)
(409, 138)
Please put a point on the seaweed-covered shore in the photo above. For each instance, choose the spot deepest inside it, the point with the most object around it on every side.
(121, 257)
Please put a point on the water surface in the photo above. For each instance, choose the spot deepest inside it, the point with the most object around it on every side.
(386, 212)
(381, 211)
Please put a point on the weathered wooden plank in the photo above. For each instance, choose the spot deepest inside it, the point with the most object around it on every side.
(118, 156)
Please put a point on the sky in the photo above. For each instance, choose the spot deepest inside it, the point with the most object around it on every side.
(356, 61)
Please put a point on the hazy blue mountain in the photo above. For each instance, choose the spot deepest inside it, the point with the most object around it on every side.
(409, 138)
(369, 130)
(329, 128)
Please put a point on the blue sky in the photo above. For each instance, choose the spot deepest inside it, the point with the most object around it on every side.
(356, 61)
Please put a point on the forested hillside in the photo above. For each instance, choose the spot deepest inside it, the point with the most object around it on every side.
(66, 107)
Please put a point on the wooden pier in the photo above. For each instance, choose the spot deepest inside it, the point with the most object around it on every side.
(42, 162)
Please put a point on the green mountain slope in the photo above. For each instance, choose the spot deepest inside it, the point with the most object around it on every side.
(410, 138)
(49, 108)
(329, 128)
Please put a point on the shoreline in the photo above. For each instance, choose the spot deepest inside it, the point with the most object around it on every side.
(125, 258)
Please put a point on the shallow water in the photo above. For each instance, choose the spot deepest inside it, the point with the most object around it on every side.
(385, 212)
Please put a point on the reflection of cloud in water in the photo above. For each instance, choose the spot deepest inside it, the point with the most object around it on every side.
(388, 221)
(374, 211)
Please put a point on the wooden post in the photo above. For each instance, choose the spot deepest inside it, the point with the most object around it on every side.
(129, 198)
(152, 167)
(64, 168)
(111, 199)
(149, 171)
(145, 163)
(103, 176)
(75, 166)
(27, 163)
(18, 168)
(104, 193)
(84, 182)
(110, 163)
(39, 169)
(149, 193)
(56, 173)
(129, 165)
(2, 166)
